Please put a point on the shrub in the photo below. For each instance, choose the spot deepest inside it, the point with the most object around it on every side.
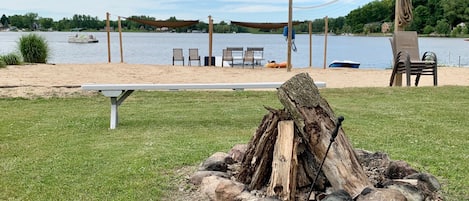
(34, 48)
(2, 63)
(11, 59)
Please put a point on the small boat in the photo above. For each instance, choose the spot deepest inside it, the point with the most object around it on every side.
(344, 64)
(82, 38)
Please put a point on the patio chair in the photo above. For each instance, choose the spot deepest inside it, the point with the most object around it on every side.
(194, 55)
(248, 57)
(236, 53)
(227, 56)
(258, 54)
(178, 55)
(406, 58)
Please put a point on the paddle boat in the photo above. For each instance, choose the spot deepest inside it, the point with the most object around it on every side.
(82, 38)
(344, 64)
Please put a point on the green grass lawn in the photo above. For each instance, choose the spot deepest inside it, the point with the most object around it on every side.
(62, 149)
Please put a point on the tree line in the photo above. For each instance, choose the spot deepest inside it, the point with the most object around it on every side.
(439, 17)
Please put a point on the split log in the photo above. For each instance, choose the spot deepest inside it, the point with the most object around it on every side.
(257, 163)
(283, 177)
(315, 121)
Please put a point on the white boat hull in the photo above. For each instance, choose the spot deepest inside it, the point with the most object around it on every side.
(82, 39)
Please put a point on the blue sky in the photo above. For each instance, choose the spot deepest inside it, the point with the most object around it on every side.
(220, 10)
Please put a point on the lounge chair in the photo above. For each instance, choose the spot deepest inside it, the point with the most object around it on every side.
(258, 54)
(178, 55)
(406, 58)
(227, 56)
(194, 55)
(236, 53)
(248, 57)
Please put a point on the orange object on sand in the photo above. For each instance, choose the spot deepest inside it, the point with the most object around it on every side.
(272, 64)
(282, 64)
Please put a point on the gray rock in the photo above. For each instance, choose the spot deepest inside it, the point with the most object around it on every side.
(198, 176)
(246, 196)
(382, 194)
(410, 191)
(217, 162)
(399, 170)
(237, 152)
(340, 195)
(374, 164)
(208, 186)
(228, 190)
(428, 180)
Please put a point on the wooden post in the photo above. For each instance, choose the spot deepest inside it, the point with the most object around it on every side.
(120, 39)
(108, 29)
(310, 29)
(398, 78)
(397, 9)
(282, 183)
(290, 32)
(210, 39)
(326, 30)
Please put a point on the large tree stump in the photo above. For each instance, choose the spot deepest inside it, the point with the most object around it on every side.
(316, 121)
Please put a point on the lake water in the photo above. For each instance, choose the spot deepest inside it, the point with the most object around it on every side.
(156, 48)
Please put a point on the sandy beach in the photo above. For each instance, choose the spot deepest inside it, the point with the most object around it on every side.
(65, 79)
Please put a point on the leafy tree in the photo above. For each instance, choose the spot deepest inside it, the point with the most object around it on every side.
(426, 12)
(421, 14)
(222, 27)
(336, 24)
(85, 21)
(456, 11)
(372, 28)
(17, 21)
(238, 29)
(202, 26)
(375, 11)
(465, 30)
(456, 31)
(46, 23)
(63, 24)
(443, 27)
(436, 11)
(4, 20)
(24, 21)
(319, 25)
(29, 19)
(428, 29)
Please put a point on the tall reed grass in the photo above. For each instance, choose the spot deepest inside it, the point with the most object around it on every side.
(34, 48)
(10, 59)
